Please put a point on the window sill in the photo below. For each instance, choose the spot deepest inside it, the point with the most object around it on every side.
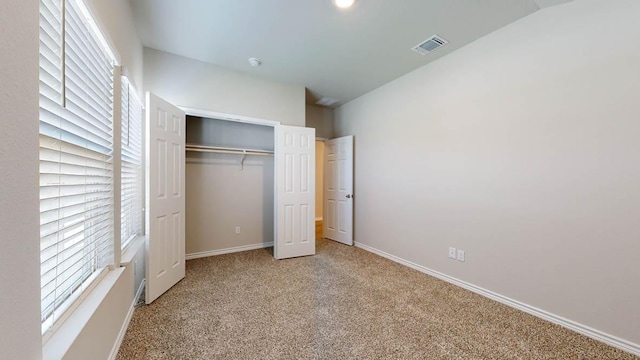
(130, 251)
(63, 338)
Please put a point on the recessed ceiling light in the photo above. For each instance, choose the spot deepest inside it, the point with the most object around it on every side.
(343, 4)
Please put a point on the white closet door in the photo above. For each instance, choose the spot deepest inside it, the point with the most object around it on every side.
(165, 138)
(338, 190)
(295, 186)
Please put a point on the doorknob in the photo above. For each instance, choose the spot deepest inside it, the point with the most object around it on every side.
(348, 196)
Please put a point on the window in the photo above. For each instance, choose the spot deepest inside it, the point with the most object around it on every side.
(76, 149)
(131, 189)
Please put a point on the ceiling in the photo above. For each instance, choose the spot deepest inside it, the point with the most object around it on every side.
(336, 53)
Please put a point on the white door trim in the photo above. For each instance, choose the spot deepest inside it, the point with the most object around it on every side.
(338, 189)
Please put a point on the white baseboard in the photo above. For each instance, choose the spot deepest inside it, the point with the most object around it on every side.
(228, 250)
(571, 325)
(125, 324)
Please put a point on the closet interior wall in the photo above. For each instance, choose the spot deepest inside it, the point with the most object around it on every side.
(221, 195)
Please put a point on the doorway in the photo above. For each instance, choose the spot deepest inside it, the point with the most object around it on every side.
(334, 189)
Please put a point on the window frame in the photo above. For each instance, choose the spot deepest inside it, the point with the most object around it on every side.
(138, 205)
(66, 308)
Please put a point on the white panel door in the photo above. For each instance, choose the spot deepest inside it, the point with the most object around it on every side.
(165, 138)
(338, 190)
(295, 187)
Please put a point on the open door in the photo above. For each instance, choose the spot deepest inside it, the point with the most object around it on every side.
(295, 187)
(338, 190)
(165, 138)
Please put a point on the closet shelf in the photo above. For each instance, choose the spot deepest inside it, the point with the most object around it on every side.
(228, 150)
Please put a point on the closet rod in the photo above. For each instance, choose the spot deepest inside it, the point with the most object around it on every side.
(227, 150)
(239, 152)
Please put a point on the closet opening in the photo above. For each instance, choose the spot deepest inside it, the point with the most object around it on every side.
(229, 186)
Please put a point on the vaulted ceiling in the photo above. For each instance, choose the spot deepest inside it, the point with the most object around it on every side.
(334, 53)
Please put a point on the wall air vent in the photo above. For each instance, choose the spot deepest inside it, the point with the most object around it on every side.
(429, 45)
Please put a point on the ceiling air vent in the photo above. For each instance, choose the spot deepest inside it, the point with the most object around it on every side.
(326, 101)
(430, 45)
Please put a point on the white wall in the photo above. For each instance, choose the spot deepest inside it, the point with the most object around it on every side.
(523, 149)
(19, 205)
(191, 83)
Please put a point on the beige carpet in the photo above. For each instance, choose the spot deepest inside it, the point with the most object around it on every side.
(343, 303)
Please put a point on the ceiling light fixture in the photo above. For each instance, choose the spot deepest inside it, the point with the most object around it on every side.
(344, 4)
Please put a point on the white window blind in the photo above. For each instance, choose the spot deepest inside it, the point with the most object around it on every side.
(76, 145)
(131, 188)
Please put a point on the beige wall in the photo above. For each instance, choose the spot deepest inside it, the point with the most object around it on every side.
(19, 205)
(319, 179)
(219, 197)
(320, 118)
(522, 149)
(200, 85)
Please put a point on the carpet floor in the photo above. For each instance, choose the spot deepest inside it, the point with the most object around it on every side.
(343, 303)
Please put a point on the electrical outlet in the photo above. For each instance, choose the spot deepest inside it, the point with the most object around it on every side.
(452, 253)
(461, 255)
(237, 229)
